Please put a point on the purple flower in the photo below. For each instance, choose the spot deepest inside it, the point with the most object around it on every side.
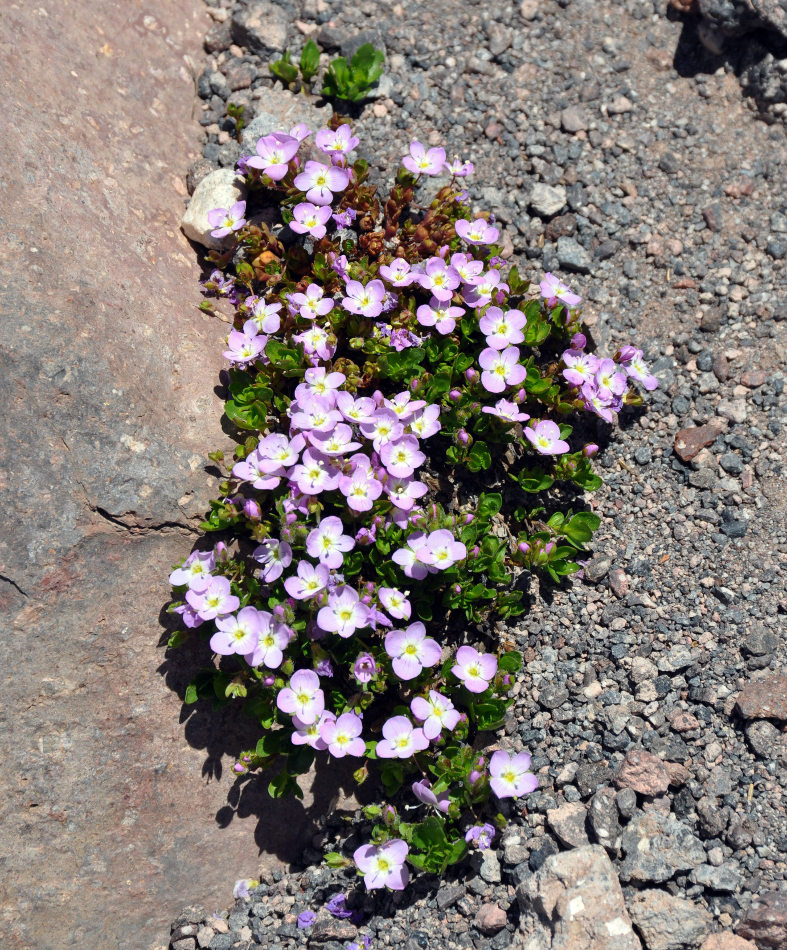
(409, 557)
(423, 792)
(364, 668)
(501, 369)
(315, 474)
(475, 669)
(402, 457)
(436, 712)
(400, 739)
(242, 888)
(636, 368)
(324, 668)
(272, 639)
(479, 232)
(580, 367)
(344, 613)
(481, 291)
(337, 906)
(502, 329)
(310, 219)
(237, 634)
(555, 291)
(309, 733)
(545, 438)
(339, 140)
(321, 181)
(303, 697)
(264, 317)
(360, 487)
(439, 278)
(443, 318)
(426, 423)
(215, 601)
(328, 543)
(459, 169)
(344, 218)
(225, 221)
(383, 865)
(274, 153)
(404, 492)
(366, 300)
(343, 736)
(469, 270)
(411, 650)
(383, 427)
(313, 303)
(394, 601)
(242, 348)
(309, 582)
(481, 836)
(195, 571)
(398, 273)
(442, 550)
(609, 381)
(306, 919)
(504, 409)
(423, 162)
(510, 777)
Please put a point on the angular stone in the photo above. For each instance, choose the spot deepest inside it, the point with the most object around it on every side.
(726, 879)
(764, 699)
(219, 189)
(604, 821)
(574, 119)
(644, 772)
(572, 256)
(546, 200)
(574, 902)
(669, 923)
(261, 27)
(568, 824)
(727, 941)
(657, 846)
(766, 921)
(490, 918)
(690, 442)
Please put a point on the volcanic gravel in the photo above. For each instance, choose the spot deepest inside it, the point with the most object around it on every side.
(666, 209)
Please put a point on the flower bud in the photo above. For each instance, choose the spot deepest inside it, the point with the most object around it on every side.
(549, 547)
(278, 611)
(239, 768)
(462, 437)
(590, 450)
(252, 510)
(366, 600)
(269, 680)
(469, 518)
(578, 341)
(389, 815)
(506, 679)
(475, 777)
(523, 547)
(475, 551)
(291, 517)
(471, 375)
(520, 396)
(455, 395)
(221, 552)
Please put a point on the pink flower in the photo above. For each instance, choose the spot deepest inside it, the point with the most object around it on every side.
(242, 348)
(383, 865)
(310, 219)
(510, 777)
(436, 713)
(215, 601)
(555, 291)
(366, 300)
(504, 409)
(264, 317)
(545, 438)
(501, 369)
(360, 487)
(426, 423)
(309, 581)
(321, 181)
(336, 443)
(409, 557)
(423, 792)
(479, 232)
(310, 733)
(384, 427)
(342, 736)
(404, 492)
(411, 650)
(609, 380)
(402, 457)
(469, 270)
(580, 367)
(315, 474)
(313, 303)
(423, 162)
(237, 634)
(398, 273)
(459, 169)
(502, 329)
(481, 291)
(436, 314)
(195, 571)
(476, 670)
(442, 550)
(401, 740)
(314, 414)
(321, 383)
(403, 405)
(327, 542)
(303, 697)
(395, 602)
(274, 556)
(274, 153)
(339, 140)
(344, 613)
(224, 221)
(316, 340)
(273, 638)
(355, 410)
(438, 277)
(364, 668)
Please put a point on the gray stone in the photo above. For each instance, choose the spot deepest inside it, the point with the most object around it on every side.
(574, 119)
(743, 16)
(604, 821)
(677, 658)
(765, 739)
(597, 567)
(726, 879)
(657, 847)
(669, 923)
(219, 189)
(568, 824)
(546, 201)
(572, 256)
(279, 111)
(574, 902)
(261, 27)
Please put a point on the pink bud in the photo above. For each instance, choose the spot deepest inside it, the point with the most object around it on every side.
(474, 777)
(286, 535)
(475, 551)
(455, 395)
(462, 437)
(549, 547)
(506, 679)
(239, 768)
(269, 680)
(366, 600)
(221, 552)
(520, 396)
(590, 450)
(471, 375)
(443, 251)
(523, 547)
(252, 510)
(457, 589)
(278, 611)
(469, 519)
(578, 341)
(290, 518)
(378, 397)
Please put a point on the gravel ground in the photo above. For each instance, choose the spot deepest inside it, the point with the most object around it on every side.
(653, 702)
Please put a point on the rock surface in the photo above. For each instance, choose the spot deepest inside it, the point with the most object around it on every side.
(574, 902)
(644, 772)
(657, 847)
(666, 922)
(766, 921)
(764, 699)
(220, 189)
(108, 804)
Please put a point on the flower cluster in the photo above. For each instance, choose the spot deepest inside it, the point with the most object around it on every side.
(353, 366)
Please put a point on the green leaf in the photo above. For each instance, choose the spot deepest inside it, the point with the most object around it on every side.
(191, 694)
(489, 504)
(284, 70)
(335, 860)
(367, 63)
(269, 744)
(510, 662)
(177, 638)
(300, 760)
(533, 480)
(479, 457)
(310, 60)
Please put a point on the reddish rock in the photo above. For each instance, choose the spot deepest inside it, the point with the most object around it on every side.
(618, 582)
(727, 941)
(690, 442)
(682, 721)
(643, 772)
(766, 921)
(752, 379)
(490, 918)
(764, 699)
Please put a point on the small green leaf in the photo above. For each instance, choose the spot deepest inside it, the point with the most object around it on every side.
(191, 694)
(489, 504)
(310, 60)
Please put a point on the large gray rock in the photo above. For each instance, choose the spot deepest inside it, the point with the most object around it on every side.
(669, 923)
(657, 846)
(574, 902)
(546, 200)
(219, 189)
(734, 17)
(261, 27)
(279, 111)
